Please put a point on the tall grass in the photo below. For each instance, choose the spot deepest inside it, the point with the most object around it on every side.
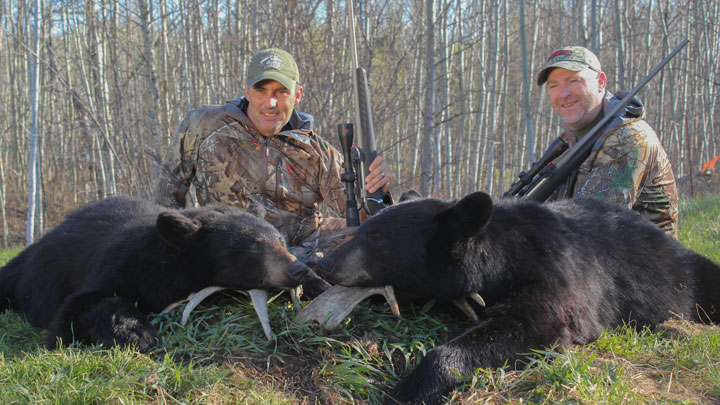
(221, 356)
(700, 225)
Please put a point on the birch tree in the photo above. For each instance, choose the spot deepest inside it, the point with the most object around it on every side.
(529, 134)
(429, 140)
(33, 58)
(452, 85)
(151, 77)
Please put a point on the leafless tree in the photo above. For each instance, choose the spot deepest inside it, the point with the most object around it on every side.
(451, 83)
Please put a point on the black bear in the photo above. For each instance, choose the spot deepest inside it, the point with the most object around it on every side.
(559, 272)
(96, 275)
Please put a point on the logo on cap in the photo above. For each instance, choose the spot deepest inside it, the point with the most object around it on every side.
(558, 53)
(271, 62)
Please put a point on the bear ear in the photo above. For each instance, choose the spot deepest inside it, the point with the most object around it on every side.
(257, 209)
(468, 215)
(409, 196)
(176, 229)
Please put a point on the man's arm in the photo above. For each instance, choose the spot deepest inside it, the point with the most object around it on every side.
(176, 171)
(332, 189)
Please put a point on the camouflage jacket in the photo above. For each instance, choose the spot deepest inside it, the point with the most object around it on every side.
(628, 165)
(219, 151)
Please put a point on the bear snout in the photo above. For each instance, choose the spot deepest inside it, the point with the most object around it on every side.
(313, 285)
(323, 267)
(348, 270)
(297, 271)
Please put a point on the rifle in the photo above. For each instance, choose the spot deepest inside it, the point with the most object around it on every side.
(351, 165)
(545, 176)
(358, 159)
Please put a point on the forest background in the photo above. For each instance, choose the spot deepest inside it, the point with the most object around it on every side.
(91, 91)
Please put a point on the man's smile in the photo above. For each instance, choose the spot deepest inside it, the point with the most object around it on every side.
(568, 104)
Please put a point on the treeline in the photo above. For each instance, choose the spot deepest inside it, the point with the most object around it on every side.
(97, 87)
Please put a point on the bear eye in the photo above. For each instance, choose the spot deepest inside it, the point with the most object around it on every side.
(373, 236)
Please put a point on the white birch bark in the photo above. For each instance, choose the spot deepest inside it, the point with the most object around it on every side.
(33, 56)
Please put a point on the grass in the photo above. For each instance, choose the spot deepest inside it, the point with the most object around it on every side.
(700, 225)
(7, 254)
(221, 356)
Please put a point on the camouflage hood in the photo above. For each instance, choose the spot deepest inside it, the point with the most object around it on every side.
(634, 110)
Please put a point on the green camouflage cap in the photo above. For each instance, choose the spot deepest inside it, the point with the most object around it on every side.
(575, 58)
(273, 64)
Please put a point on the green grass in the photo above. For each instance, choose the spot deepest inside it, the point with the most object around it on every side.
(221, 356)
(700, 225)
(6, 255)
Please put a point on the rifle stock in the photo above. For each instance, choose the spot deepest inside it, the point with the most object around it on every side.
(547, 181)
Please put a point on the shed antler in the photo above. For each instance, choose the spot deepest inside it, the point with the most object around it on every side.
(258, 297)
(330, 308)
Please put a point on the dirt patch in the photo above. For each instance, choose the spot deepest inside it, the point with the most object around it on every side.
(297, 377)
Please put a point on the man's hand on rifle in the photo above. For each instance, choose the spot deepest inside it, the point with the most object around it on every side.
(379, 177)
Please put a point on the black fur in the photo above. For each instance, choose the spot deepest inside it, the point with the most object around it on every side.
(96, 275)
(550, 273)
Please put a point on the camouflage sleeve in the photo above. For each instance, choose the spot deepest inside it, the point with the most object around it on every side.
(177, 169)
(332, 188)
(618, 169)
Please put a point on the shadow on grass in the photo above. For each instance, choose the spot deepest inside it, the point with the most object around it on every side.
(18, 337)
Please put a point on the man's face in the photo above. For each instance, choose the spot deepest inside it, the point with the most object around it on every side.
(576, 96)
(271, 105)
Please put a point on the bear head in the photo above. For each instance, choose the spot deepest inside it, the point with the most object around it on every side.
(238, 249)
(417, 245)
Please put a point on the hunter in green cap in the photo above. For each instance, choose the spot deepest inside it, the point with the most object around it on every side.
(259, 149)
(627, 164)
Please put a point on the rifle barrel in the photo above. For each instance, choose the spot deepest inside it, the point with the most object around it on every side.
(364, 122)
(357, 71)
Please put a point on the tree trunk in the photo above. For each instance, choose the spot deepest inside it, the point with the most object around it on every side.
(33, 55)
(4, 118)
(477, 153)
(460, 100)
(429, 141)
(494, 62)
(151, 79)
(620, 72)
(444, 162)
(529, 138)
(503, 104)
(167, 76)
(3, 198)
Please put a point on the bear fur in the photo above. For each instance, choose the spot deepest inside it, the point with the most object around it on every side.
(96, 275)
(560, 272)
